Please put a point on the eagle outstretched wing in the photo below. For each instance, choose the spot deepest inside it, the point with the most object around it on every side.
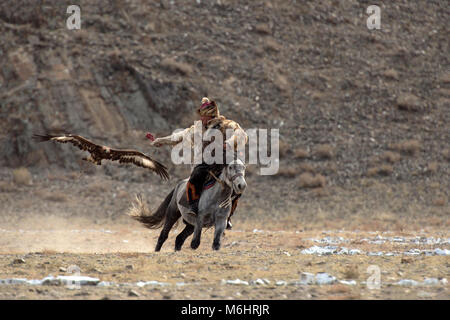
(99, 153)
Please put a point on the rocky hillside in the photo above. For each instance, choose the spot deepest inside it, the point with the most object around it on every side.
(354, 106)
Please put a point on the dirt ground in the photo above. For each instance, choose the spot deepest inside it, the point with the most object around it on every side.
(122, 255)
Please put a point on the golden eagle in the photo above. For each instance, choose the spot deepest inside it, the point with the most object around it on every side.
(99, 153)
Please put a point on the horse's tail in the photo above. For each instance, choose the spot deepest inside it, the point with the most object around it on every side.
(140, 212)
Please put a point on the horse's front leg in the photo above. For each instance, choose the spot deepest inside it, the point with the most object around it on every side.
(197, 232)
(220, 225)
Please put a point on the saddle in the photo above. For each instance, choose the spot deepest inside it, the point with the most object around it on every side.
(207, 184)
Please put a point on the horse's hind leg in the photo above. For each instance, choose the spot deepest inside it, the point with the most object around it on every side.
(220, 225)
(171, 218)
(187, 231)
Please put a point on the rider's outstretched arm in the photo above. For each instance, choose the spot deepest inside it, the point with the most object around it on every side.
(175, 137)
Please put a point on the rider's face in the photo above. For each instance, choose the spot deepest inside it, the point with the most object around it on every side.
(205, 120)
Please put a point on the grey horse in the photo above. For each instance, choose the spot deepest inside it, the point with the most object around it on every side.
(214, 208)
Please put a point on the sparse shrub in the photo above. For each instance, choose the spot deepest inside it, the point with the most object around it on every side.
(95, 188)
(383, 170)
(175, 66)
(446, 154)
(284, 148)
(7, 187)
(301, 153)
(56, 197)
(440, 201)
(250, 171)
(122, 194)
(338, 289)
(306, 167)
(324, 151)
(434, 185)
(409, 147)
(391, 74)
(271, 44)
(389, 156)
(351, 272)
(288, 172)
(432, 167)
(263, 28)
(307, 180)
(320, 192)
(22, 176)
(329, 168)
(408, 102)
(282, 83)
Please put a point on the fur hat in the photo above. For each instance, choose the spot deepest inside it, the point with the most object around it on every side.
(208, 108)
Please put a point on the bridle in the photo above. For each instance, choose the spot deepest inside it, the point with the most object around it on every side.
(222, 182)
(239, 174)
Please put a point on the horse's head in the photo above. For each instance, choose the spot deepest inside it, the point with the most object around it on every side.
(235, 176)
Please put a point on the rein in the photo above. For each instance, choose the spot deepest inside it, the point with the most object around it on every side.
(227, 202)
(217, 179)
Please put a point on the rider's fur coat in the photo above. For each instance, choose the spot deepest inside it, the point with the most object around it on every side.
(238, 138)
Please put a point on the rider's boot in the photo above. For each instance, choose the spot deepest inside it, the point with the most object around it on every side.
(193, 207)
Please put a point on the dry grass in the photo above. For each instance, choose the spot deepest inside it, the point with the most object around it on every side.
(307, 180)
(409, 147)
(324, 151)
(22, 176)
(383, 170)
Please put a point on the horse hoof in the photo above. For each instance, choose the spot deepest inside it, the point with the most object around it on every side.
(194, 245)
(216, 246)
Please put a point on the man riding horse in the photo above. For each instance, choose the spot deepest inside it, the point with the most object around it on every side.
(211, 119)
